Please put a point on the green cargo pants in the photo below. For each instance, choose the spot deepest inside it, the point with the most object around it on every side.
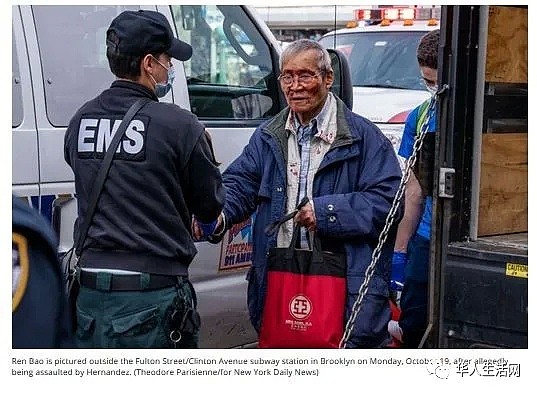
(132, 319)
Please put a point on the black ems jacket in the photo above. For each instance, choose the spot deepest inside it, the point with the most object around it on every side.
(163, 172)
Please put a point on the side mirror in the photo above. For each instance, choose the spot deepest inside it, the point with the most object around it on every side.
(342, 86)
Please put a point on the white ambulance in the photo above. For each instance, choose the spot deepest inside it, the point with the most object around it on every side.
(381, 51)
(230, 83)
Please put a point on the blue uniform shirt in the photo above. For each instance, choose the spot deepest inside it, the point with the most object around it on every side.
(405, 151)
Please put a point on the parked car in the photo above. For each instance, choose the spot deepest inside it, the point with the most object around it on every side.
(385, 75)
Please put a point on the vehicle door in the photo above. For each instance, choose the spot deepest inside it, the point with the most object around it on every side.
(479, 243)
(231, 85)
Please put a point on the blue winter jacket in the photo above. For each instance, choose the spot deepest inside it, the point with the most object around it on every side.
(353, 191)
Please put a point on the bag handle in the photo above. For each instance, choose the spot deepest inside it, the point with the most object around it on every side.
(274, 227)
(103, 172)
(317, 251)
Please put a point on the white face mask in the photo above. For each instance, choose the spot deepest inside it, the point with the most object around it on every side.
(161, 89)
(432, 89)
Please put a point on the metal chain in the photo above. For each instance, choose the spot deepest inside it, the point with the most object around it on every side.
(418, 143)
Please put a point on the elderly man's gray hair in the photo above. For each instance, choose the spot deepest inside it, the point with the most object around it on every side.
(296, 47)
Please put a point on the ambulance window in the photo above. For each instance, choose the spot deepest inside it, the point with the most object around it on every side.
(16, 90)
(72, 48)
(230, 75)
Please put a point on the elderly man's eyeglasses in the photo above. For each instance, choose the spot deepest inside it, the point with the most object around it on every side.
(303, 79)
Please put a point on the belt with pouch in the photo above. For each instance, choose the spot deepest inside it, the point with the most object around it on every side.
(137, 282)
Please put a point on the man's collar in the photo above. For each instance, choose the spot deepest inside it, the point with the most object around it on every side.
(321, 120)
(133, 85)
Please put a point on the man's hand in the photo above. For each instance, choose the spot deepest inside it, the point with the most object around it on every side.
(201, 231)
(306, 217)
(399, 262)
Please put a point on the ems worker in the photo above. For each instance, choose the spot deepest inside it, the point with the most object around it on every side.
(135, 290)
(411, 252)
(40, 313)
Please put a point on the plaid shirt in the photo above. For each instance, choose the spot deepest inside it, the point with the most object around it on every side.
(305, 135)
(306, 149)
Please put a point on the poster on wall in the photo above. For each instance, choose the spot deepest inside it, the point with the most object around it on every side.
(237, 246)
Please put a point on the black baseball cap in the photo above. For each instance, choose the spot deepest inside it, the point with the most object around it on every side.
(138, 33)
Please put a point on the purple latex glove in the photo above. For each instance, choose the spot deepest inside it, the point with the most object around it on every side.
(206, 228)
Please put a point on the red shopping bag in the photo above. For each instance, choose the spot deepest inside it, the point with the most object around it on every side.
(305, 298)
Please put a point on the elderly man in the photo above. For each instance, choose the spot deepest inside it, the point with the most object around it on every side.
(318, 148)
